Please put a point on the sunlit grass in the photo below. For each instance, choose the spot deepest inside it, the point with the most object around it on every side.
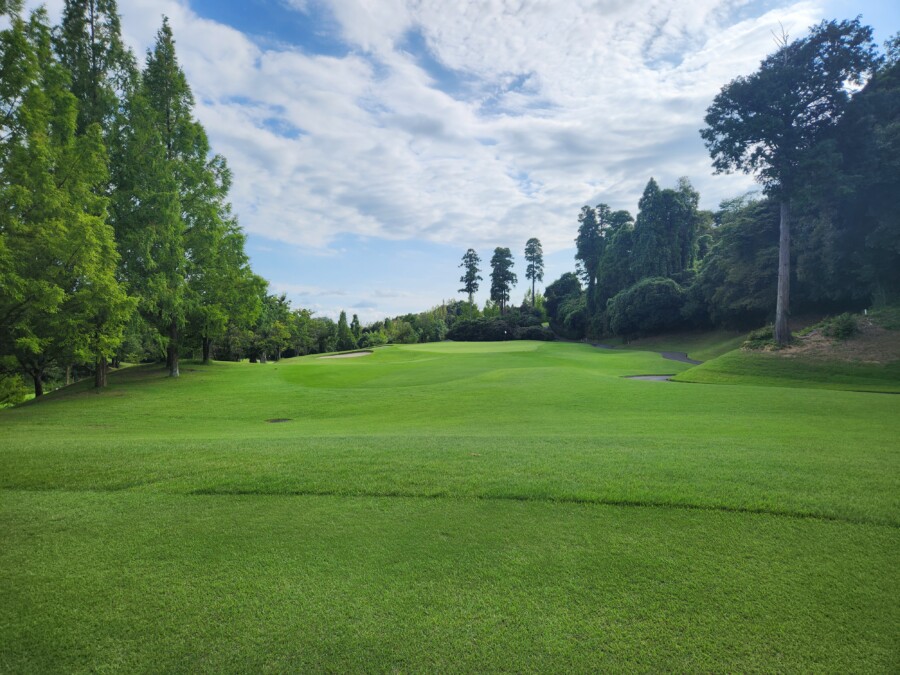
(504, 506)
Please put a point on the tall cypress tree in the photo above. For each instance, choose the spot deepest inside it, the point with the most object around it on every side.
(534, 256)
(471, 276)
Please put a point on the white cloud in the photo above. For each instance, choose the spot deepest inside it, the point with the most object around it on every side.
(560, 103)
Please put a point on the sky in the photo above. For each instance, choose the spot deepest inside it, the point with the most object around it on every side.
(373, 141)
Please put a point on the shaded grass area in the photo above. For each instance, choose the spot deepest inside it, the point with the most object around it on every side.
(93, 581)
(699, 345)
(449, 507)
(773, 369)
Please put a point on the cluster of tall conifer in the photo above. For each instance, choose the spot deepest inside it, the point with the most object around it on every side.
(116, 234)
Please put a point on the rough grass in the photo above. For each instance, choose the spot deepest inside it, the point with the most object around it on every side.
(505, 506)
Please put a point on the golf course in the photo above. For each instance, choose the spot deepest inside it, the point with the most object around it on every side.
(509, 506)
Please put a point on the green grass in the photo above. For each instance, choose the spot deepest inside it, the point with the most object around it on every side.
(506, 506)
(773, 369)
(700, 346)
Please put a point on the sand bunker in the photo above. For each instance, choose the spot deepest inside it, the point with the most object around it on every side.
(346, 356)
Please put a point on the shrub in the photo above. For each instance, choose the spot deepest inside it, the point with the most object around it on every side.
(650, 306)
(535, 333)
(761, 338)
(841, 327)
(482, 330)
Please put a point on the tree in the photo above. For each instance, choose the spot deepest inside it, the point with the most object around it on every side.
(589, 244)
(534, 256)
(345, 339)
(89, 44)
(470, 277)
(665, 233)
(355, 328)
(762, 124)
(502, 277)
(61, 301)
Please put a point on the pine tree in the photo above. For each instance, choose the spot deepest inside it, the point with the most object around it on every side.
(470, 277)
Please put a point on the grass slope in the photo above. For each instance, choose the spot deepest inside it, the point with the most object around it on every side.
(699, 345)
(774, 369)
(504, 506)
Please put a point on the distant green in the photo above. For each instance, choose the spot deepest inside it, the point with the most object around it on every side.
(504, 506)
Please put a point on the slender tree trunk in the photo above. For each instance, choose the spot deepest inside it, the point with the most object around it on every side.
(100, 372)
(782, 305)
(116, 362)
(207, 343)
(172, 350)
(262, 358)
(533, 299)
(38, 383)
(68, 374)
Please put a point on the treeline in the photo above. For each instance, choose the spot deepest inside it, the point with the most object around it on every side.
(117, 240)
(674, 266)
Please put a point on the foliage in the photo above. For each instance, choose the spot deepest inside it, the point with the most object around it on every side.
(534, 256)
(471, 276)
(761, 338)
(650, 306)
(842, 326)
(502, 277)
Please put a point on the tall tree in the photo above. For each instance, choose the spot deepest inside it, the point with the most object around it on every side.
(101, 69)
(61, 301)
(89, 44)
(345, 339)
(762, 124)
(502, 277)
(471, 276)
(589, 245)
(534, 256)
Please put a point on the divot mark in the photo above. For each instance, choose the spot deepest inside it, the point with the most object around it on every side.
(275, 420)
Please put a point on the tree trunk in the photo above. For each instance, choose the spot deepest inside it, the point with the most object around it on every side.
(116, 362)
(207, 343)
(38, 384)
(68, 374)
(782, 305)
(262, 358)
(533, 299)
(172, 350)
(100, 373)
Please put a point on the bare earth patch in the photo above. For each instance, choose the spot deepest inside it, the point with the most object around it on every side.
(873, 344)
(346, 356)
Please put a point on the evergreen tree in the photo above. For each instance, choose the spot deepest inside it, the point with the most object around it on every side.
(762, 124)
(355, 328)
(534, 256)
(470, 277)
(502, 277)
(345, 339)
(589, 244)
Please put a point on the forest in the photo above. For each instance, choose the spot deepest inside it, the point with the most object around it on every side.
(118, 242)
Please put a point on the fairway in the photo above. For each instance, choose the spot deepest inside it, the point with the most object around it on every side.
(449, 506)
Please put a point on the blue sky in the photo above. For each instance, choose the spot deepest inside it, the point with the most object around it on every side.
(374, 141)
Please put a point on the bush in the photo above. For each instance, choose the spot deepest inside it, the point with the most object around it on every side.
(841, 327)
(535, 333)
(761, 338)
(482, 330)
(650, 306)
